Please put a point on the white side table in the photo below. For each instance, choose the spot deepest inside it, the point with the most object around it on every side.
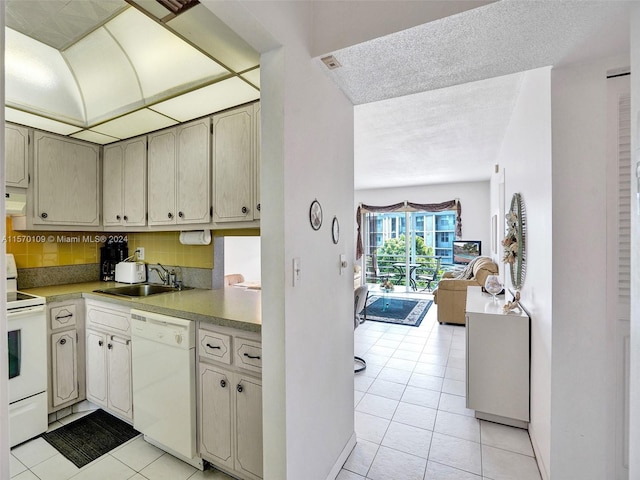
(498, 356)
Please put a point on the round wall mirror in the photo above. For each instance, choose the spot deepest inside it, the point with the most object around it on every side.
(515, 241)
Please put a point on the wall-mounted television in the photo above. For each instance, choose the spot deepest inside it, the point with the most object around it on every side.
(466, 250)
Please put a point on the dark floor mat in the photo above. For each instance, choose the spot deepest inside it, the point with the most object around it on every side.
(90, 437)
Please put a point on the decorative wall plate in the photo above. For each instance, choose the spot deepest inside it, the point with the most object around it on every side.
(315, 215)
(335, 230)
(516, 240)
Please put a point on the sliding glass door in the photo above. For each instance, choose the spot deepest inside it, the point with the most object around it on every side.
(404, 247)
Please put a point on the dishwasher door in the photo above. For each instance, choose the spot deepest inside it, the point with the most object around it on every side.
(164, 393)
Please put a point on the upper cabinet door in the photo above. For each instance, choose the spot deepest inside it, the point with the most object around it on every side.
(258, 161)
(161, 168)
(16, 151)
(194, 172)
(134, 192)
(112, 170)
(233, 163)
(67, 181)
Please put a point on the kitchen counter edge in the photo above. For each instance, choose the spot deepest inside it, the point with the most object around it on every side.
(229, 307)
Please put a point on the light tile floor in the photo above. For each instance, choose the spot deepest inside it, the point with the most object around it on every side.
(135, 460)
(410, 420)
(410, 417)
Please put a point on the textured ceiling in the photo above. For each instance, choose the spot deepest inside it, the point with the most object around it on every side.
(452, 136)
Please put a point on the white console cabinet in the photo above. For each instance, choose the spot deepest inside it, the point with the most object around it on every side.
(497, 360)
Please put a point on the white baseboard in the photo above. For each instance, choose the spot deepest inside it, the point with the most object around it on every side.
(346, 451)
(544, 473)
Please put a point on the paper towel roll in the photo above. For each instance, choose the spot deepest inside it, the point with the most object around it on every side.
(199, 237)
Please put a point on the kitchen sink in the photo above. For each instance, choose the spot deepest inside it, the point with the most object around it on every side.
(140, 290)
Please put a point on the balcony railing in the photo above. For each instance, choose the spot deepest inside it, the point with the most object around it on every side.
(388, 268)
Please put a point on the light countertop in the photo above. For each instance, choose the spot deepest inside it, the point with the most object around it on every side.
(231, 307)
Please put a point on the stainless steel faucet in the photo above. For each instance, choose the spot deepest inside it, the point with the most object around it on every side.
(162, 273)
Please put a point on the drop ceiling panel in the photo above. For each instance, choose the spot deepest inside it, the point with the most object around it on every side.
(164, 63)
(201, 27)
(136, 123)
(216, 97)
(94, 137)
(35, 121)
(105, 75)
(37, 79)
(58, 23)
(252, 76)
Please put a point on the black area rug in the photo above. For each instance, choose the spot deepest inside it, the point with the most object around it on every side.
(401, 311)
(90, 437)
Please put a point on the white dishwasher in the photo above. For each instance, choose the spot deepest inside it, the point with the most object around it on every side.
(164, 391)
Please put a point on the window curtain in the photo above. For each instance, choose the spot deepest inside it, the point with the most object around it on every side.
(407, 207)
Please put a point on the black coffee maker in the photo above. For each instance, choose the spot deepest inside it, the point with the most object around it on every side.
(111, 254)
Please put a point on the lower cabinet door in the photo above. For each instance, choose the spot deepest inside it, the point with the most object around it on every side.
(119, 375)
(215, 415)
(248, 395)
(64, 375)
(96, 367)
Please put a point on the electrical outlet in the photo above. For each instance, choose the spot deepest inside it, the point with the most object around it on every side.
(140, 253)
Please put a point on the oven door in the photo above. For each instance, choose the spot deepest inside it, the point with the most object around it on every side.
(27, 332)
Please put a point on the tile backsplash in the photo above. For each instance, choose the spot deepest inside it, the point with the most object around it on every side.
(35, 249)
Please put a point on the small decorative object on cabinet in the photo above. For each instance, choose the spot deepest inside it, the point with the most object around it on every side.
(493, 285)
(315, 215)
(497, 367)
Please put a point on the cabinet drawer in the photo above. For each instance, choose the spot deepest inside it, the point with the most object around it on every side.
(248, 354)
(109, 319)
(63, 316)
(215, 346)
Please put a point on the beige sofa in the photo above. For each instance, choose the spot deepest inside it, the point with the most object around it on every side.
(451, 294)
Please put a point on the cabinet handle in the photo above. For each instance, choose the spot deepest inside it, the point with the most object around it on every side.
(44, 215)
(180, 214)
(109, 346)
(170, 215)
(223, 383)
(214, 347)
(100, 343)
(60, 317)
(253, 357)
(63, 341)
(240, 388)
(244, 210)
(126, 218)
(258, 207)
(117, 217)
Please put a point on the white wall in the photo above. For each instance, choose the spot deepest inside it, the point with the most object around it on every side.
(473, 196)
(242, 255)
(307, 331)
(581, 401)
(525, 164)
(634, 435)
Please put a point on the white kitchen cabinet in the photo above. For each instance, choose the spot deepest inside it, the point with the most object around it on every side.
(124, 183)
(66, 187)
(497, 376)
(66, 379)
(234, 162)
(179, 175)
(230, 401)
(16, 154)
(109, 358)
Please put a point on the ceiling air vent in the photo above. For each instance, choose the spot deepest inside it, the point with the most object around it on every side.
(331, 62)
(178, 6)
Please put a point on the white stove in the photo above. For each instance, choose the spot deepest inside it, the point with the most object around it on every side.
(27, 340)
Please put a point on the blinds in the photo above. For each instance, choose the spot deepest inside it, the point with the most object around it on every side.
(624, 205)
